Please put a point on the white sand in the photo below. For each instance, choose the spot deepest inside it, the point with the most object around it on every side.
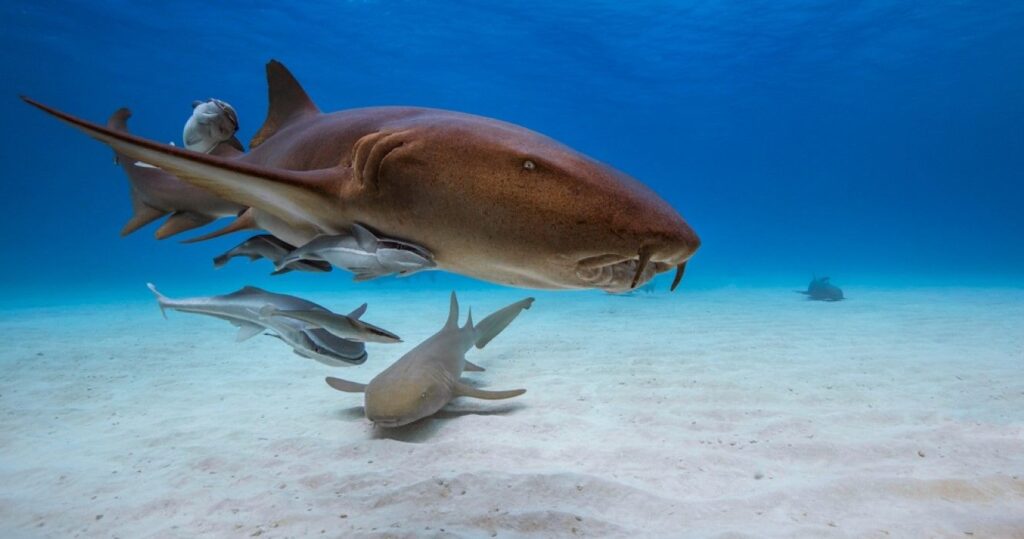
(729, 413)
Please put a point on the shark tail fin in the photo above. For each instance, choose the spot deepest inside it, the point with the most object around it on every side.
(286, 194)
(453, 313)
(161, 299)
(288, 102)
(490, 327)
(244, 221)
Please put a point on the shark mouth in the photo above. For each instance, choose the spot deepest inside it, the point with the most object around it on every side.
(616, 273)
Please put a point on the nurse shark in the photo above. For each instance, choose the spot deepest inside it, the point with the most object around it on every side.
(488, 199)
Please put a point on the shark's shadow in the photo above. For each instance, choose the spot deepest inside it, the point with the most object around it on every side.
(422, 430)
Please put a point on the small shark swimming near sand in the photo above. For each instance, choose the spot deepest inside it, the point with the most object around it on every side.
(488, 199)
(426, 378)
(242, 309)
(273, 249)
(822, 290)
(362, 253)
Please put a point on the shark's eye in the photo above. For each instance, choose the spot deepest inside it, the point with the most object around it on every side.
(529, 165)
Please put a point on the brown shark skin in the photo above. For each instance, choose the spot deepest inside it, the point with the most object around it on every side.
(161, 191)
(489, 199)
(456, 184)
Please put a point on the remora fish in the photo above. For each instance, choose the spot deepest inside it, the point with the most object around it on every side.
(241, 308)
(343, 326)
(212, 122)
(427, 377)
(362, 253)
(273, 249)
(488, 199)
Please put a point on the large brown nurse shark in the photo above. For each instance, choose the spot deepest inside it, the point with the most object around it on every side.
(489, 199)
(426, 378)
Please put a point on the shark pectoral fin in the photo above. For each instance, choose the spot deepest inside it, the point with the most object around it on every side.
(359, 311)
(473, 367)
(345, 385)
(303, 199)
(180, 222)
(463, 390)
(142, 215)
(247, 331)
(244, 221)
(490, 327)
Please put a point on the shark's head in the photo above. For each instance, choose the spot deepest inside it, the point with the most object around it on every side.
(393, 401)
(588, 225)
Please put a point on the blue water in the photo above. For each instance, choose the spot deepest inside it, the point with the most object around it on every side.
(880, 143)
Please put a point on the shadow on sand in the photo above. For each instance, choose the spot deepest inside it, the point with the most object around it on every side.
(424, 429)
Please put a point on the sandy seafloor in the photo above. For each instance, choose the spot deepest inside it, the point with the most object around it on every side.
(723, 413)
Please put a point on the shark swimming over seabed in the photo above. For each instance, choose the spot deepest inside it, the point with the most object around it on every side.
(486, 198)
(427, 378)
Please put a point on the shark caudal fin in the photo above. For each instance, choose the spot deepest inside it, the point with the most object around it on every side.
(490, 327)
(293, 196)
(287, 102)
(161, 299)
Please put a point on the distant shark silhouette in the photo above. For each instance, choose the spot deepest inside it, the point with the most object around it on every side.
(822, 290)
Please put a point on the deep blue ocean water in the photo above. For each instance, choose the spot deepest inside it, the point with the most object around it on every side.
(880, 143)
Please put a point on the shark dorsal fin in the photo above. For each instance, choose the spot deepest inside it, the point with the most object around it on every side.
(288, 102)
(453, 314)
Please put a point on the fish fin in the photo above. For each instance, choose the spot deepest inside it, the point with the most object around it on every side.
(119, 119)
(453, 313)
(234, 143)
(161, 299)
(244, 221)
(360, 311)
(464, 390)
(360, 277)
(281, 271)
(181, 221)
(490, 327)
(287, 102)
(267, 311)
(247, 331)
(366, 240)
(473, 367)
(345, 385)
(142, 214)
(295, 197)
